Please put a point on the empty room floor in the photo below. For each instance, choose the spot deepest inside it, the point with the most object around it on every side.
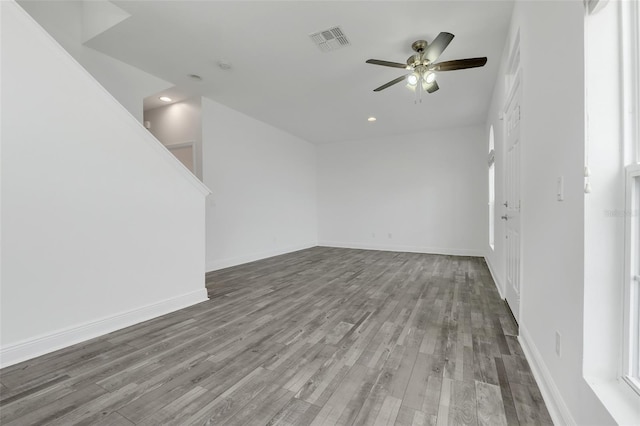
(323, 336)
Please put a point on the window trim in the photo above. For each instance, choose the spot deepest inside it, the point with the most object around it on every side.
(491, 193)
(631, 353)
(630, 40)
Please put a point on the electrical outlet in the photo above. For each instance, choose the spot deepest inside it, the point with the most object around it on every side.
(558, 338)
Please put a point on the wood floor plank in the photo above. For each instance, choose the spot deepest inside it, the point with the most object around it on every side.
(489, 405)
(333, 408)
(463, 404)
(445, 402)
(388, 412)
(320, 336)
(292, 413)
(113, 419)
(505, 392)
(14, 409)
(405, 416)
(46, 414)
(431, 401)
(415, 392)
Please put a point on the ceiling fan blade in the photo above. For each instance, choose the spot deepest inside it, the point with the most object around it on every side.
(391, 83)
(459, 64)
(387, 63)
(437, 46)
(433, 87)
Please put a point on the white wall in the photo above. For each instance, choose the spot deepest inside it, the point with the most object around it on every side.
(178, 123)
(101, 226)
(553, 242)
(67, 22)
(264, 188)
(423, 192)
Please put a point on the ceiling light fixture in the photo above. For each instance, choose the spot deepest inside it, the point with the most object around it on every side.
(429, 77)
(165, 99)
(371, 119)
(422, 65)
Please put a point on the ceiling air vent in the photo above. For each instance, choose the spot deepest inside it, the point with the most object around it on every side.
(330, 39)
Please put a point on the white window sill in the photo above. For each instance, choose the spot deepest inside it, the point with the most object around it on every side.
(619, 399)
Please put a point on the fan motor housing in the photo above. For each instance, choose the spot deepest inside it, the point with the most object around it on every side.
(419, 45)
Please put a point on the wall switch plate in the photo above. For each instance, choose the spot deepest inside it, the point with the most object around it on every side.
(560, 194)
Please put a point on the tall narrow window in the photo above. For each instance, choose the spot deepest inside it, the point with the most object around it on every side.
(631, 41)
(492, 189)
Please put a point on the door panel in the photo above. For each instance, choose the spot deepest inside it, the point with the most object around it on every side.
(512, 196)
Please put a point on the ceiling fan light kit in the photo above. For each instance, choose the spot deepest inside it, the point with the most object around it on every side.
(423, 66)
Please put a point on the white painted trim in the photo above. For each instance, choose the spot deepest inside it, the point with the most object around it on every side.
(619, 399)
(497, 282)
(631, 352)
(31, 348)
(127, 117)
(406, 249)
(214, 265)
(558, 409)
(594, 6)
(629, 33)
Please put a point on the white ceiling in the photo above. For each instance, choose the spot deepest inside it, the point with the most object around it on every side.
(280, 77)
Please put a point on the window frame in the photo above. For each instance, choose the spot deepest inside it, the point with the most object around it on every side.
(630, 36)
(631, 353)
(491, 182)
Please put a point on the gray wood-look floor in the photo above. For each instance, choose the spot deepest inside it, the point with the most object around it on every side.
(323, 336)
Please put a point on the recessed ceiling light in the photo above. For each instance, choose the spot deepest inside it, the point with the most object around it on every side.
(371, 119)
(165, 99)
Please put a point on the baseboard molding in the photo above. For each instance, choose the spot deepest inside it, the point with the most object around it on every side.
(558, 409)
(407, 249)
(41, 345)
(497, 281)
(239, 260)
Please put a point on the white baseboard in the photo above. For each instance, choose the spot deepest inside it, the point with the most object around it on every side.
(496, 280)
(215, 265)
(558, 409)
(31, 348)
(406, 249)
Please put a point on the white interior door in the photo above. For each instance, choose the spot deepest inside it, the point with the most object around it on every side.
(512, 196)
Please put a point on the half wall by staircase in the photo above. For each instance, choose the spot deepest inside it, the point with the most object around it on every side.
(101, 227)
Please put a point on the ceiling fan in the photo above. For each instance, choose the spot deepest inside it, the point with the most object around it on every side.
(422, 65)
